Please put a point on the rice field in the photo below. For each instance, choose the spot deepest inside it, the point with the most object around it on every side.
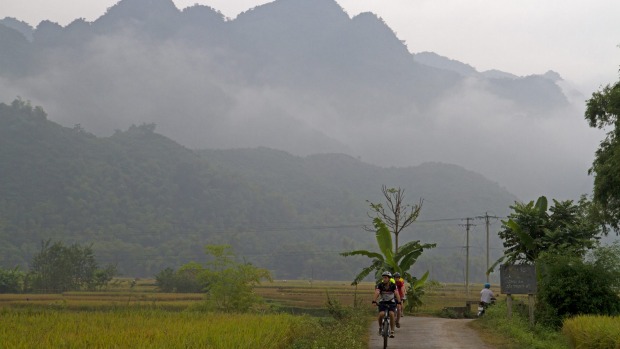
(145, 329)
(301, 294)
(592, 331)
(281, 295)
(132, 314)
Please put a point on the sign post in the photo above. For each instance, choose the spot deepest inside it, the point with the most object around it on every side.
(518, 279)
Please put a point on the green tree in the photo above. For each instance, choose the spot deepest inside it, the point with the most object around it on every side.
(11, 281)
(59, 268)
(386, 259)
(534, 228)
(190, 278)
(166, 280)
(602, 111)
(102, 277)
(230, 285)
(395, 213)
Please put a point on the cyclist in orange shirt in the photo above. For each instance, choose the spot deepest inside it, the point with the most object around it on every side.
(402, 292)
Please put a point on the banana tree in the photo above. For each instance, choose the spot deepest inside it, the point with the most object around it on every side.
(522, 232)
(531, 230)
(386, 259)
(415, 292)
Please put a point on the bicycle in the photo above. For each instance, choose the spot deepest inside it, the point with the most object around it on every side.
(385, 323)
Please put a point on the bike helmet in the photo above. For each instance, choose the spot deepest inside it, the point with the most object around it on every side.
(397, 275)
(387, 273)
(487, 285)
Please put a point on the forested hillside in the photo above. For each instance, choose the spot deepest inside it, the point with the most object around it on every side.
(147, 203)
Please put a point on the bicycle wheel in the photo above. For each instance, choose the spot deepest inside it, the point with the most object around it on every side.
(386, 332)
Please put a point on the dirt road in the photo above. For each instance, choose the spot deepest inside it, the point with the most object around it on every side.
(429, 333)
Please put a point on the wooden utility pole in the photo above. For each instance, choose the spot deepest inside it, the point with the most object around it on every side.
(467, 225)
(487, 223)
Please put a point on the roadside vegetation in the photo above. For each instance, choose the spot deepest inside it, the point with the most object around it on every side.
(516, 333)
(576, 276)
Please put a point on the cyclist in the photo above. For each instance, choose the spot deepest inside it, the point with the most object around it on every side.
(386, 290)
(400, 286)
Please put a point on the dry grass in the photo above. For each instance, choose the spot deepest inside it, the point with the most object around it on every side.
(285, 294)
(305, 295)
(120, 293)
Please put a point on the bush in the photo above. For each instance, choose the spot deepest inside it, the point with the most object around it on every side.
(189, 279)
(571, 286)
(11, 281)
(336, 332)
(165, 280)
(230, 285)
(336, 309)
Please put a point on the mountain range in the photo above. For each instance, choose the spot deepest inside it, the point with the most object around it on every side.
(300, 76)
(273, 130)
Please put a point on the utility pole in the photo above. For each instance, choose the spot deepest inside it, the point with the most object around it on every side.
(467, 225)
(486, 220)
(487, 223)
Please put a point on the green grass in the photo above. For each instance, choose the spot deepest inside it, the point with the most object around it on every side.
(516, 332)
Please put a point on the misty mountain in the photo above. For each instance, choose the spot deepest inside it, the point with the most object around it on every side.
(300, 76)
(432, 59)
(145, 202)
(20, 26)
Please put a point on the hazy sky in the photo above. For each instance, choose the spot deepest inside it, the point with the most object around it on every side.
(578, 39)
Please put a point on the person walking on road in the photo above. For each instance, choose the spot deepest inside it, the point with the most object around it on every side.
(387, 294)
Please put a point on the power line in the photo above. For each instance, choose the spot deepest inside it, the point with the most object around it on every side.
(258, 228)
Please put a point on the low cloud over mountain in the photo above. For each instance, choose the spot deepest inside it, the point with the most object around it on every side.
(301, 76)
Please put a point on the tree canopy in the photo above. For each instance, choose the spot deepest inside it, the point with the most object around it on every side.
(533, 228)
(395, 213)
(58, 268)
(602, 111)
(229, 285)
